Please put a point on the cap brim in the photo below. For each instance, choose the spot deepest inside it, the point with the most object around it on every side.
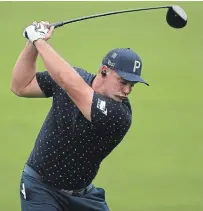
(131, 77)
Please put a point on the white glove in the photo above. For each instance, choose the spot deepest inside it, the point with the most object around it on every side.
(35, 31)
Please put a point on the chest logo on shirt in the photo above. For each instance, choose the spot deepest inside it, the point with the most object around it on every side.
(101, 104)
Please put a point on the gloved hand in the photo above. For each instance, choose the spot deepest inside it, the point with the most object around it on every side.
(38, 31)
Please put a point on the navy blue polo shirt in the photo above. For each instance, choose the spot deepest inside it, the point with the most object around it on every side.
(69, 148)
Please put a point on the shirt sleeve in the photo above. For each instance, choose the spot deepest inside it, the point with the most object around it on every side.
(45, 83)
(110, 115)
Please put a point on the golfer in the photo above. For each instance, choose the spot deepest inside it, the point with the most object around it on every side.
(89, 117)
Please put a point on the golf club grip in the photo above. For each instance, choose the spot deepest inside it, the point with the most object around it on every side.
(59, 24)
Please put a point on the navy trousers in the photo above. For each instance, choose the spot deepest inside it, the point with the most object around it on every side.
(38, 196)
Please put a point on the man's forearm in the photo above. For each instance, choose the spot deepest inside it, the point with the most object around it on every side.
(62, 72)
(24, 69)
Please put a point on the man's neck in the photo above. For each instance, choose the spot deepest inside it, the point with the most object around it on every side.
(97, 85)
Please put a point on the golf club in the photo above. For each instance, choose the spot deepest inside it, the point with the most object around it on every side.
(175, 17)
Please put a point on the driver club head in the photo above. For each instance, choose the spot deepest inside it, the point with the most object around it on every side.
(176, 17)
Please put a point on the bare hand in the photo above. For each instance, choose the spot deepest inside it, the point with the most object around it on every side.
(46, 24)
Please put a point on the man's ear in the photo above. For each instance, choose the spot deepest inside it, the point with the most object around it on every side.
(104, 70)
(103, 73)
(103, 67)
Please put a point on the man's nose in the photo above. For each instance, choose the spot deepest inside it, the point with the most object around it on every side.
(127, 89)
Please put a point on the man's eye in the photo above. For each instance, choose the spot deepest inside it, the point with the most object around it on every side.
(124, 82)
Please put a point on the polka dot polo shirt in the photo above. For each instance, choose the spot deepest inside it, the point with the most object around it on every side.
(69, 148)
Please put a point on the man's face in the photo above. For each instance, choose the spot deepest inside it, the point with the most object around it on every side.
(115, 87)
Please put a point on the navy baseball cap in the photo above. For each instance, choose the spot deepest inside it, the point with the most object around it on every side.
(126, 63)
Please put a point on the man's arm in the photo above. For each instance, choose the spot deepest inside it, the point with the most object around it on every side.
(66, 77)
(23, 81)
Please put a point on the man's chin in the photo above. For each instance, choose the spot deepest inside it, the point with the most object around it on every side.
(118, 99)
(115, 97)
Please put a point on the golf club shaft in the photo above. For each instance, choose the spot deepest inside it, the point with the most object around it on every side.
(59, 24)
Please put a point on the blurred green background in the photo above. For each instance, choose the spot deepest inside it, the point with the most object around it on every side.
(158, 167)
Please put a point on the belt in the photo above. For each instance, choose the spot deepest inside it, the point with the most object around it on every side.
(31, 172)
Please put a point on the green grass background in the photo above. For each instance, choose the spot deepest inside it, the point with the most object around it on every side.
(158, 167)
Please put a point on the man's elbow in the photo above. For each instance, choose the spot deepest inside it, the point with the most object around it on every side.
(16, 91)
